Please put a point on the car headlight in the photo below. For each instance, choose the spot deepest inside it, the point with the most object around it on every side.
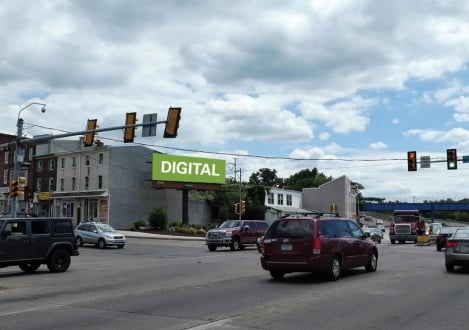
(228, 234)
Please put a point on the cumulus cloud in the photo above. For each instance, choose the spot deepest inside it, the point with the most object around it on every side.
(258, 76)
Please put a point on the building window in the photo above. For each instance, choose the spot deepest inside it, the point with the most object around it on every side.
(5, 176)
(62, 162)
(279, 199)
(39, 166)
(7, 156)
(39, 184)
(74, 162)
(87, 160)
(100, 182)
(51, 184)
(62, 184)
(87, 182)
(289, 200)
(101, 158)
(51, 164)
(74, 183)
(270, 198)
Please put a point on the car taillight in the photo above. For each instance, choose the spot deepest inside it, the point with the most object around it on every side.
(317, 243)
(451, 244)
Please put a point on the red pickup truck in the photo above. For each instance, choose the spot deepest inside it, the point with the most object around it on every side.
(235, 234)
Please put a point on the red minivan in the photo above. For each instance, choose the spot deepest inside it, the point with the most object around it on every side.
(322, 244)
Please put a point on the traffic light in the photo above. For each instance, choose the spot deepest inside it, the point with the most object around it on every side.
(451, 159)
(129, 132)
(21, 186)
(412, 161)
(172, 123)
(13, 188)
(89, 137)
(236, 208)
(243, 206)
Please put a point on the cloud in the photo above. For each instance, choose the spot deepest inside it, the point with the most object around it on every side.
(378, 146)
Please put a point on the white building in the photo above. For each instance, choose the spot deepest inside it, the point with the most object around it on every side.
(282, 202)
(336, 196)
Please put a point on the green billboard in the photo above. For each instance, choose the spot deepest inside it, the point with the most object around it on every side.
(188, 169)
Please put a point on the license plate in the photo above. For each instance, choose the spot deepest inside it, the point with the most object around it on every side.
(286, 247)
(464, 249)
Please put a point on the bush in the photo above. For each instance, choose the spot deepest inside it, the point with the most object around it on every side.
(139, 224)
(158, 219)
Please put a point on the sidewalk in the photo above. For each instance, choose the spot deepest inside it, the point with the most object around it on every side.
(137, 234)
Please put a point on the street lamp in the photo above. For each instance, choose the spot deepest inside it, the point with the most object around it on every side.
(18, 152)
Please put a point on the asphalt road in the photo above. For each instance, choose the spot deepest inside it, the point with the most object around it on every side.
(169, 284)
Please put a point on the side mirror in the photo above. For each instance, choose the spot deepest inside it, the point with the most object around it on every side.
(246, 228)
(367, 234)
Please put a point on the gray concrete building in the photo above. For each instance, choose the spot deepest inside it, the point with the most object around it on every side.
(336, 196)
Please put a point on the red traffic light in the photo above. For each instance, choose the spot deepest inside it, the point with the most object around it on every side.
(412, 160)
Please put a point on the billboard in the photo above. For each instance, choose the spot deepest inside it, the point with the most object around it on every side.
(188, 169)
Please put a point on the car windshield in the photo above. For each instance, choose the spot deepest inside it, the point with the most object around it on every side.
(447, 230)
(230, 224)
(291, 228)
(105, 228)
(461, 233)
(405, 218)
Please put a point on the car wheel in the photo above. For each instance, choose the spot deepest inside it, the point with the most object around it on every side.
(372, 263)
(79, 241)
(101, 244)
(59, 261)
(335, 269)
(438, 248)
(276, 275)
(121, 246)
(212, 247)
(449, 268)
(235, 244)
(393, 241)
(29, 267)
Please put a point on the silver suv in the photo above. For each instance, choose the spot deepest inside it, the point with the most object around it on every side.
(99, 234)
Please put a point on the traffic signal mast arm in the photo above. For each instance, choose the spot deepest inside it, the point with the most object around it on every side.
(97, 130)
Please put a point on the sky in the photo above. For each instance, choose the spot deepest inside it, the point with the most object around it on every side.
(344, 86)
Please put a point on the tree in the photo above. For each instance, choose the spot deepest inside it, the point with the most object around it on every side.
(306, 179)
(265, 177)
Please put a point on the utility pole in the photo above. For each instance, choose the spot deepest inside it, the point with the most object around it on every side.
(240, 187)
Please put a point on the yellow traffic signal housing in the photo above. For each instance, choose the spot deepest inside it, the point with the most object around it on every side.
(21, 187)
(236, 208)
(172, 123)
(89, 137)
(129, 132)
(451, 159)
(412, 161)
(243, 206)
(13, 188)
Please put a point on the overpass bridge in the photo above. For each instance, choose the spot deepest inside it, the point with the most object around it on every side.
(431, 206)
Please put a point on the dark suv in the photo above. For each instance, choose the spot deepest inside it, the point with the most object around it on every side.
(326, 245)
(30, 242)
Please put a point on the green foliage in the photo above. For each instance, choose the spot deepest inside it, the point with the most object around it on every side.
(203, 195)
(187, 229)
(265, 177)
(158, 218)
(255, 212)
(306, 179)
(139, 224)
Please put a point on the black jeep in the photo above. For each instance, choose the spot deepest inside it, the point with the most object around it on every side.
(30, 242)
